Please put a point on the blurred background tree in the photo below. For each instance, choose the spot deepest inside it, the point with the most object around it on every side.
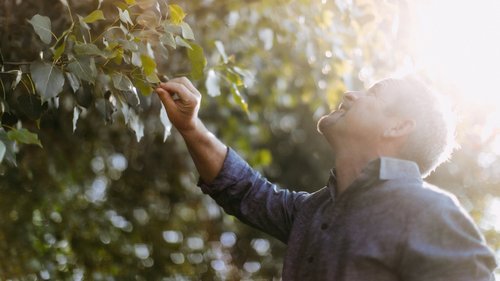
(108, 198)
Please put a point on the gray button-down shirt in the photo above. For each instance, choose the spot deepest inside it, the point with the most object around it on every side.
(388, 225)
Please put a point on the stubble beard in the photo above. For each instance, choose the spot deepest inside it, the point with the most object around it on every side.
(324, 127)
(325, 124)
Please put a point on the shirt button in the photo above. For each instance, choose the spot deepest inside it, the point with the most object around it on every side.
(310, 259)
(324, 226)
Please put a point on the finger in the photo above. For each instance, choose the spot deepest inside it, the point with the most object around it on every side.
(187, 83)
(165, 98)
(173, 87)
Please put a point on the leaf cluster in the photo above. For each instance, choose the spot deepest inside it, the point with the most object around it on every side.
(107, 59)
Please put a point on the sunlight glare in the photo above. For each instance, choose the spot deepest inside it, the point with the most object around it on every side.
(459, 41)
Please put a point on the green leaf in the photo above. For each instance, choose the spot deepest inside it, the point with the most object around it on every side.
(248, 77)
(120, 5)
(42, 26)
(130, 2)
(137, 126)
(3, 149)
(168, 39)
(133, 121)
(76, 115)
(83, 25)
(142, 86)
(198, 61)
(148, 19)
(129, 45)
(162, 52)
(153, 78)
(117, 56)
(125, 16)
(84, 68)
(10, 147)
(234, 77)
(59, 50)
(48, 79)
(18, 74)
(221, 50)
(167, 125)
(103, 85)
(187, 32)
(121, 82)
(177, 15)
(168, 27)
(148, 64)
(238, 98)
(146, 4)
(73, 81)
(212, 83)
(183, 43)
(94, 16)
(131, 97)
(106, 109)
(24, 136)
(135, 59)
(88, 49)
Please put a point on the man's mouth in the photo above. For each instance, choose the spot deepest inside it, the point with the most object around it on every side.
(343, 106)
(341, 109)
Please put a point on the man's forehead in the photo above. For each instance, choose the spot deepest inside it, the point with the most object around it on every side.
(386, 87)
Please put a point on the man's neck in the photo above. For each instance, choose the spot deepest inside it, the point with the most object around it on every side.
(348, 167)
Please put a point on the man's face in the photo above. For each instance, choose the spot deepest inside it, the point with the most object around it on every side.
(362, 117)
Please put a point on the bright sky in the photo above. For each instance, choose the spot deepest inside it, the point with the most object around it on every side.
(459, 40)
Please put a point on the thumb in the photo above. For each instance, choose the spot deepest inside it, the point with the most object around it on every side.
(165, 98)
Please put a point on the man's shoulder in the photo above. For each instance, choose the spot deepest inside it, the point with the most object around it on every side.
(416, 197)
(431, 192)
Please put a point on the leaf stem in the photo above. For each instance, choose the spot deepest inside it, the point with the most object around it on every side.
(111, 26)
(32, 84)
(9, 127)
(3, 90)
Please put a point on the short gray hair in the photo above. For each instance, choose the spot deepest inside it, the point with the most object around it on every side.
(433, 140)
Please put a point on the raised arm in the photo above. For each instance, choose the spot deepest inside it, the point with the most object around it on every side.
(225, 176)
(182, 102)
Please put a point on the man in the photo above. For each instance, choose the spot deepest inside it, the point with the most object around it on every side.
(376, 220)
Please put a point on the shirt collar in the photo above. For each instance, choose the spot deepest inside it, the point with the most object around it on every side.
(383, 168)
(392, 168)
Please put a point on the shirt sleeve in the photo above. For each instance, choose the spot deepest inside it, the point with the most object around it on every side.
(245, 194)
(443, 244)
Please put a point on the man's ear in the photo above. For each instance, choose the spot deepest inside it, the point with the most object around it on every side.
(400, 128)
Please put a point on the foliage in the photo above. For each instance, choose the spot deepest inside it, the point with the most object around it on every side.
(99, 202)
(106, 62)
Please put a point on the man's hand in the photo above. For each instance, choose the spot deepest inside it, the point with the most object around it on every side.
(182, 102)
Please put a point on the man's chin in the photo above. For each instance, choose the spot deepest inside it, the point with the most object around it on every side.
(325, 124)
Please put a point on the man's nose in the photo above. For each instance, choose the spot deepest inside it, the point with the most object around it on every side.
(350, 97)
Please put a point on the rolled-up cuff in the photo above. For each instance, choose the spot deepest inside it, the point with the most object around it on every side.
(233, 168)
